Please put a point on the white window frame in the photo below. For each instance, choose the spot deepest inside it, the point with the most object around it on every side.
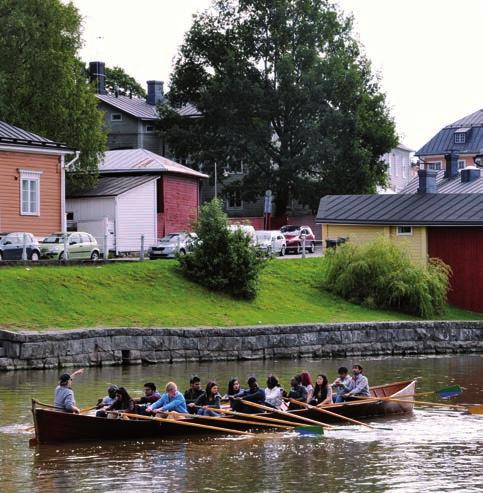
(461, 161)
(30, 177)
(116, 119)
(236, 207)
(460, 138)
(439, 163)
(404, 233)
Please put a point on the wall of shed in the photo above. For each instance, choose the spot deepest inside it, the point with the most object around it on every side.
(49, 219)
(180, 203)
(415, 245)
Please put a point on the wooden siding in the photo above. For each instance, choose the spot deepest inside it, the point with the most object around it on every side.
(136, 216)
(460, 248)
(181, 202)
(49, 219)
(416, 244)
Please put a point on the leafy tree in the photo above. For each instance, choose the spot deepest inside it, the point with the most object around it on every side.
(43, 87)
(126, 84)
(222, 260)
(284, 86)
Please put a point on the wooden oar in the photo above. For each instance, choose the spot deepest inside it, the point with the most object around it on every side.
(295, 416)
(330, 413)
(420, 403)
(258, 417)
(86, 409)
(186, 423)
(234, 421)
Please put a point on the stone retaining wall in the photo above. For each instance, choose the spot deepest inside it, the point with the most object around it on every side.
(100, 347)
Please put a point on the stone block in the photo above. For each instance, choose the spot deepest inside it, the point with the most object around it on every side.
(6, 364)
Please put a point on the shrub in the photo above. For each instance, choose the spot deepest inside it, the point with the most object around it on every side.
(222, 260)
(380, 274)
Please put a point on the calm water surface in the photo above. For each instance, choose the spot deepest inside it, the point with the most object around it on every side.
(428, 451)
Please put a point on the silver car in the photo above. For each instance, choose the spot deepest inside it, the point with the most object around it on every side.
(172, 244)
(79, 246)
(271, 242)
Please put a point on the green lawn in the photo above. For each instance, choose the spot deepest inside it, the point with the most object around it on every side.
(155, 294)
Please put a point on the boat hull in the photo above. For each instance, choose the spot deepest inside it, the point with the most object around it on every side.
(53, 426)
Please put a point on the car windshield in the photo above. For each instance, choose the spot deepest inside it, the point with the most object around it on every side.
(289, 229)
(53, 239)
(171, 238)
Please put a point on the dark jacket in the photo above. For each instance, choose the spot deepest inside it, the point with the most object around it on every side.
(122, 406)
(212, 401)
(191, 395)
(298, 393)
(253, 395)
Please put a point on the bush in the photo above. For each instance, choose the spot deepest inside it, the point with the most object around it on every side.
(222, 260)
(380, 274)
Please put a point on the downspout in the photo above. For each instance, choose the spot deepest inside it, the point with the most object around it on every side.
(63, 167)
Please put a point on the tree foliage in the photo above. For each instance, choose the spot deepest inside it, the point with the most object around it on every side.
(117, 77)
(223, 260)
(43, 86)
(284, 86)
(380, 274)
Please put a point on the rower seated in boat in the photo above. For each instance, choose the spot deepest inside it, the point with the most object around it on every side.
(193, 393)
(358, 385)
(122, 403)
(208, 400)
(253, 394)
(234, 387)
(151, 395)
(339, 384)
(171, 400)
(273, 393)
(322, 393)
(64, 395)
(298, 392)
(109, 399)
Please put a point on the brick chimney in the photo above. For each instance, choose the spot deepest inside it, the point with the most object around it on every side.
(451, 165)
(155, 92)
(97, 75)
(427, 181)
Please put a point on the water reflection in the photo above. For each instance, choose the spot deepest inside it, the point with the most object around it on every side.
(429, 451)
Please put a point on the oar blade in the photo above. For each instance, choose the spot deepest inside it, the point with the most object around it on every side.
(475, 409)
(310, 430)
(453, 391)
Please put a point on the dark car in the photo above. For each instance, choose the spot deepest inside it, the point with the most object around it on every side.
(12, 246)
(295, 235)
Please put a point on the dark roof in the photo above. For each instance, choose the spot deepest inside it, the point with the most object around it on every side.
(11, 135)
(446, 185)
(443, 141)
(138, 107)
(432, 209)
(110, 186)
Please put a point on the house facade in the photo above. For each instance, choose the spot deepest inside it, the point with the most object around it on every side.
(399, 169)
(32, 182)
(138, 193)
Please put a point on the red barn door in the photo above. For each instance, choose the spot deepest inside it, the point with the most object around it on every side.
(462, 250)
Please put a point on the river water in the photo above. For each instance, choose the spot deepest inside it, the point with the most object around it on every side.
(431, 450)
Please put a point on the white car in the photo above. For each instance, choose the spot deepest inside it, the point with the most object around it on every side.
(245, 228)
(172, 244)
(271, 242)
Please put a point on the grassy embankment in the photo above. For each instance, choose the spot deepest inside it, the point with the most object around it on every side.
(155, 294)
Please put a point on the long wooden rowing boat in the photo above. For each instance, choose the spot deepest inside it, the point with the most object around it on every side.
(53, 426)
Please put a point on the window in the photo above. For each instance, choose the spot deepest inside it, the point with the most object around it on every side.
(234, 200)
(459, 138)
(436, 165)
(461, 163)
(70, 216)
(116, 117)
(149, 129)
(404, 230)
(30, 192)
(74, 239)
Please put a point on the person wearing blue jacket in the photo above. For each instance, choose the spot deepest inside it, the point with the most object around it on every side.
(253, 394)
(171, 400)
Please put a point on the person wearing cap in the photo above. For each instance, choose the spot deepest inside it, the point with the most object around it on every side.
(253, 394)
(64, 395)
(109, 399)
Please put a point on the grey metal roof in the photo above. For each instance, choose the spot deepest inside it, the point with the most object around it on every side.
(142, 160)
(443, 141)
(430, 209)
(138, 107)
(446, 185)
(111, 186)
(11, 135)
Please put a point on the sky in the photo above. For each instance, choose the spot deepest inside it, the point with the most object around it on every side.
(427, 52)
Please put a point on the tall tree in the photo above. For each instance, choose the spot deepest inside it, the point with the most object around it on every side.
(118, 77)
(43, 86)
(283, 86)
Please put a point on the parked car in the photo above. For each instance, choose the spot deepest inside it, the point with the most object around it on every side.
(248, 229)
(172, 244)
(80, 245)
(12, 244)
(294, 235)
(271, 242)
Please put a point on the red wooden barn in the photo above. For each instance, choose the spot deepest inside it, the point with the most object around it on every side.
(178, 187)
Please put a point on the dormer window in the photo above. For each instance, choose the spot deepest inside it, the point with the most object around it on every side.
(460, 135)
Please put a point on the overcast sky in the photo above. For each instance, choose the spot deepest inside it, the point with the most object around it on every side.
(428, 52)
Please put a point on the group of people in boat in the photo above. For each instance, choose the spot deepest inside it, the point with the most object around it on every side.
(207, 402)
